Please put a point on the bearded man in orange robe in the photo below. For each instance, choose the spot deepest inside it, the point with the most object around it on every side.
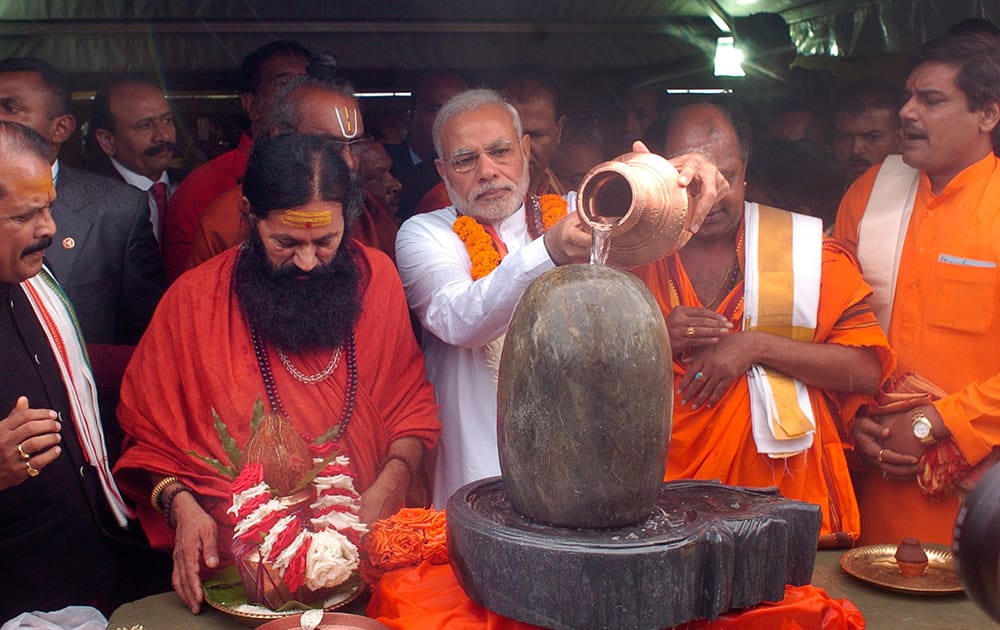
(301, 316)
(835, 364)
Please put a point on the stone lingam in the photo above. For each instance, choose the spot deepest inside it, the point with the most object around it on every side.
(580, 531)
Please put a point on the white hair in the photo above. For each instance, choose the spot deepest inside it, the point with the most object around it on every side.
(468, 101)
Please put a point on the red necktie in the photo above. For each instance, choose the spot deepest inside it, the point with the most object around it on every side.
(159, 190)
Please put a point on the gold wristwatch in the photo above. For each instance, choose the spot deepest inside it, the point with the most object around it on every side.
(922, 427)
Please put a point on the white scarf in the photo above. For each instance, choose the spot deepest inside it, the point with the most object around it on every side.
(784, 262)
(55, 314)
(882, 231)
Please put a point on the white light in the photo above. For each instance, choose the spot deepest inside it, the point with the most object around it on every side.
(381, 94)
(834, 50)
(719, 22)
(728, 58)
(699, 91)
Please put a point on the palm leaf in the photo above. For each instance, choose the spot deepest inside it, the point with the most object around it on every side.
(313, 473)
(228, 443)
(228, 471)
(257, 417)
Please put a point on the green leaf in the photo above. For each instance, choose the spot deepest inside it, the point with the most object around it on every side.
(327, 436)
(313, 473)
(228, 471)
(257, 417)
(228, 443)
(226, 587)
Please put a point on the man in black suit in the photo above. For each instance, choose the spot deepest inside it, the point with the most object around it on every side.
(104, 254)
(133, 129)
(63, 535)
(413, 162)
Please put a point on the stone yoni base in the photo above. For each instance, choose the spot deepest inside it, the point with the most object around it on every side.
(706, 549)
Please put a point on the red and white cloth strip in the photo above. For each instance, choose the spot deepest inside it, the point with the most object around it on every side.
(59, 322)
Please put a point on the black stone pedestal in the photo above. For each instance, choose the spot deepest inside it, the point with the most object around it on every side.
(706, 549)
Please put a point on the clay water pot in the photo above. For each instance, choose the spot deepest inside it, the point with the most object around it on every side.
(584, 399)
(637, 193)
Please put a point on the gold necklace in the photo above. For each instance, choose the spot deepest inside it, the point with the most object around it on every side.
(727, 284)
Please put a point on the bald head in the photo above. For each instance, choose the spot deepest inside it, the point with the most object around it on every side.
(693, 128)
(710, 130)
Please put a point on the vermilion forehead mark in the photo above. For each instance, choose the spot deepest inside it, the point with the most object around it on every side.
(38, 186)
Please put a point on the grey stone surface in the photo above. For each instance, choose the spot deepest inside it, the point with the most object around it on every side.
(706, 549)
(585, 398)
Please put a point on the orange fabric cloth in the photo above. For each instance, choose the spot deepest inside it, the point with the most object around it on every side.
(717, 442)
(222, 226)
(945, 325)
(428, 597)
(377, 227)
(434, 199)
(197, 355)
(192, 197)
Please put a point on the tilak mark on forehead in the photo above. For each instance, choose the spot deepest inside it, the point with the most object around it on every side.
(301, 219)
(349, 126)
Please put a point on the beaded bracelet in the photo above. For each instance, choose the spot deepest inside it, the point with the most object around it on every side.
(154, 497)
(404, 461)
(168, 501)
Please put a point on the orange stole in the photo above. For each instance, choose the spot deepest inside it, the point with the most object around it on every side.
(716, 442)
(428, 597)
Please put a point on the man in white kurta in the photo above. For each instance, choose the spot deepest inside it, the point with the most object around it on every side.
(484, 165)
(461, 316)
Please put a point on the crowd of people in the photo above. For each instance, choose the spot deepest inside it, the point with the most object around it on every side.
(832, 319)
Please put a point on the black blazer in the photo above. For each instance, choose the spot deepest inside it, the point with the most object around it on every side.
(105, 255)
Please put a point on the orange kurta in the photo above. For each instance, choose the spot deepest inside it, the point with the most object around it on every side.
(945, 325)
(197, 355)
(717, 442)
(223, 226)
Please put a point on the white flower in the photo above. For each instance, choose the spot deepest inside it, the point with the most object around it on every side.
(331, 560)
(338, 521)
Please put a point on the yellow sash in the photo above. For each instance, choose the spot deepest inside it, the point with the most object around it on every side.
(784, 264)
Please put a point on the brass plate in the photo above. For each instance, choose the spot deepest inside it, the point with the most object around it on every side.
(876, 564)
(225, 592)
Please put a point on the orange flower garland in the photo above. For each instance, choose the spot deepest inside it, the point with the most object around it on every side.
(553, 209)
(478, 243)
(405, 539)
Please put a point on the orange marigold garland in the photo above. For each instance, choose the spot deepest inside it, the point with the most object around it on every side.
(405, 539)
(483, 254)
(553, 209)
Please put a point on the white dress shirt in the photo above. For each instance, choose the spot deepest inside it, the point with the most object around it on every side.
(144, 183)
(461, 316)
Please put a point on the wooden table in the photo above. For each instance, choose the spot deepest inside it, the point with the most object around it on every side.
(882, 609)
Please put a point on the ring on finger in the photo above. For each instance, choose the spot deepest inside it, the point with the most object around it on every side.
(690, 331)
(698, 375)
(32, 471)
(20, 451)
(881, 452)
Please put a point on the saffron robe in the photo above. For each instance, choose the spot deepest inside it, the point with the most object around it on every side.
(197, 355)
(945, 324)
(717, 443)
